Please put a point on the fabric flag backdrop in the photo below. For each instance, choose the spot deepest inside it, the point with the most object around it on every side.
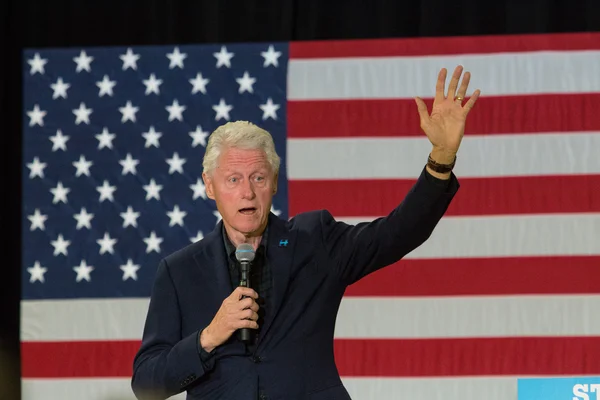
(507, 286)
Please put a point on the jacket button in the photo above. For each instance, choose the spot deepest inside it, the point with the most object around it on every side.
(256, 359)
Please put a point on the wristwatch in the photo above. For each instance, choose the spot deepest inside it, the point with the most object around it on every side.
(441, 168)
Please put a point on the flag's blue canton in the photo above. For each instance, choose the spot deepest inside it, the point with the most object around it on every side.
(49, 273)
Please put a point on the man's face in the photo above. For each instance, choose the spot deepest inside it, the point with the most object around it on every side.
(243, 186)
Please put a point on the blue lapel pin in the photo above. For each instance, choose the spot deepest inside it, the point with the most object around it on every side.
(283, 243)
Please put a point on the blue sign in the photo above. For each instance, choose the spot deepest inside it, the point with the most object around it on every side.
(573, 388)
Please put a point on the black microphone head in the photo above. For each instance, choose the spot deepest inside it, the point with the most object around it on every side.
(244, 253)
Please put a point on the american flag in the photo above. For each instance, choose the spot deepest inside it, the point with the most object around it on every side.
(507, 286)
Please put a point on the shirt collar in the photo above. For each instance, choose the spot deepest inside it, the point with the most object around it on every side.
(230, 248)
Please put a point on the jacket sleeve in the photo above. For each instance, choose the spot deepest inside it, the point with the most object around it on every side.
(166, 362)
(358, 250)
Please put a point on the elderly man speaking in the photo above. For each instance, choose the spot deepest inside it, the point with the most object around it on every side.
(218, 331)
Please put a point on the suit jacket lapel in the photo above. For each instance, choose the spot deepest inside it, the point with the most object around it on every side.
(280, 248)
(213, 265)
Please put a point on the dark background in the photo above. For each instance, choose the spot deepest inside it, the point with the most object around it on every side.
(44, 23)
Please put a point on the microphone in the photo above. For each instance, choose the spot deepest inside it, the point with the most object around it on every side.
(244, 253)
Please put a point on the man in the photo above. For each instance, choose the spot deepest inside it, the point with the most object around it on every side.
(299, 275)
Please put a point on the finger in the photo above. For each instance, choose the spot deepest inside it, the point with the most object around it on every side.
(422, 109)
(469, 105)
(440, 86)
(454, 81)
(248, 323)
(244, 291)
(246, 303)
(254, 307)
(462, 91)
(249, 314)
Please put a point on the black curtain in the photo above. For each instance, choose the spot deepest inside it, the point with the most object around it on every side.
(43, 23)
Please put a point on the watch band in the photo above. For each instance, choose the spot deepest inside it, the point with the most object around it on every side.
(441, 168)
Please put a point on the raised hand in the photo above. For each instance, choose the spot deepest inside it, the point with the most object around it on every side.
(445, 126)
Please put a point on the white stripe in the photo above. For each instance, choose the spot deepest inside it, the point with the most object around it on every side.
(79, 389)
(465, 317)
(509, 235)
(479, 156)
(437, 388)
(406, 77)
(357, 318)
(83, 319)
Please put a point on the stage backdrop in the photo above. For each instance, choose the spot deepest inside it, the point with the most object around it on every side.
(506, 287)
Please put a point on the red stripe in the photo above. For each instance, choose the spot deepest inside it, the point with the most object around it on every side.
(78, 359)
(476, 196)
(453, 357)
(483, 276)
(422, 357)
(399, 117)
(450, 45)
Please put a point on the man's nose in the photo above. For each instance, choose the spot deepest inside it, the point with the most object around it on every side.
(248, 190)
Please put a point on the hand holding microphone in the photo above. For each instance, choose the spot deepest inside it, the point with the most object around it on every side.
(239, 311)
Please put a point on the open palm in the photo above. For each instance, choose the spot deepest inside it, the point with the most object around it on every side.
(445, 126)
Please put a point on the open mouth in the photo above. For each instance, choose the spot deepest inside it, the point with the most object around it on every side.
(247, 210)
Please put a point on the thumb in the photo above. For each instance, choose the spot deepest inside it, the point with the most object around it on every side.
(422, 109)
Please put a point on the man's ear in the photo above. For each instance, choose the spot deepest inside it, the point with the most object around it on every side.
(275, 180)
(208, 185)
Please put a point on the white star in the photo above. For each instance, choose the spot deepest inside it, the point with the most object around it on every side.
(128, 112)
(129, 270)
(106, 191)
(222, 110)
(152, 137)
(83, 271)
(82, 113)
(269, 109)
(36, 116)
(60, 193)
(199, 189)
(129, 165)
(217, 214)
(153, 243)
(60, 88)
(198, 237)
(199, 137)
(106, 244)
(83, 61)
(176, 216)
(270, 56)
(274, 211)
(152, 190)
(129, 59)
(36, 168)
(175, 111)
(59, 141)
(38, 220)
(199, 84)
(176, 58)
(223, 57)
(83, 166)
(37, 64)
(37, 272)
(176, 164)
(152, 84)
(83, 219)
(60, 245)
(106, 86)
(105, 139)
(246, 83)
(130, 217)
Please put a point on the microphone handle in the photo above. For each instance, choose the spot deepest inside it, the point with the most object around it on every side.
(244, 334)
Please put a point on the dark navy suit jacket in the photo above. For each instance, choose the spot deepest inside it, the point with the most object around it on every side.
(294, 358)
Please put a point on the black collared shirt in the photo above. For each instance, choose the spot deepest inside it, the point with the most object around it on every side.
(260, 275)
(260, 280)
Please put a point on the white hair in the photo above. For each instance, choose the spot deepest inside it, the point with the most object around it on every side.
(241, 135)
